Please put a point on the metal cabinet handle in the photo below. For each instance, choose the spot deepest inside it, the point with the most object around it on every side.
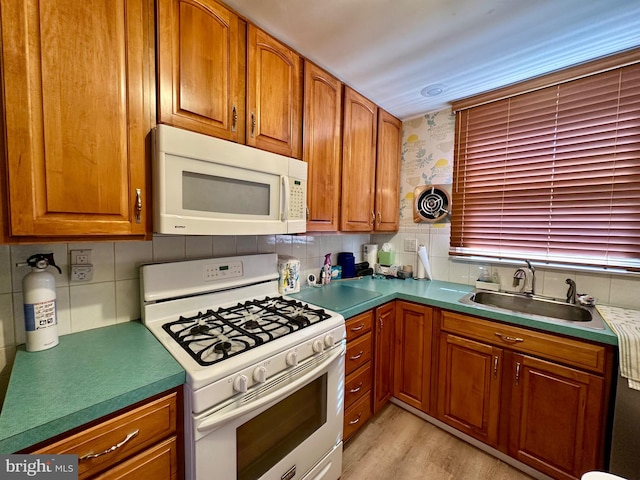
(373, 217)
(253, 124)
(357, 389)
(495, 367)
(517, 373)
(379, 218)
(381, 323)
(112, 449)
(353, 422)
(358, 328)
(508, 339)
(356, 357)
(234, 118)
(138, 213)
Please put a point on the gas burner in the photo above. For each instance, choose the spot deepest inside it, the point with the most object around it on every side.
(199, 329)
(299, 320)
(222, 347)
(251, 325)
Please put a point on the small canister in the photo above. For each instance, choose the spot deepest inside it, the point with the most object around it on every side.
(348, 263)
(289, 274)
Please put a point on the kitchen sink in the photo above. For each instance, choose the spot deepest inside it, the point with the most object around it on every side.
(536, 306)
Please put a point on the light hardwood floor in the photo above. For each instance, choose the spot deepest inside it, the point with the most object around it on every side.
(396, 444)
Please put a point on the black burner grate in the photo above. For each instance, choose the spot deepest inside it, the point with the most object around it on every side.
(215, 335)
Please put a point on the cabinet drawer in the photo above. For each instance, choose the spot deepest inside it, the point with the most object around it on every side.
(359, 325)
(159, 463)
(153, 422)
(357, 384)
(564, 350)
(358, 352)
(356, 415)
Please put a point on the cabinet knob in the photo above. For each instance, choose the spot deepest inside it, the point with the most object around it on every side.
(234, 119)
(253, 124)
(138, 212)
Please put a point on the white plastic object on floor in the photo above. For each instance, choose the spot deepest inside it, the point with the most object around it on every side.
(600, 476)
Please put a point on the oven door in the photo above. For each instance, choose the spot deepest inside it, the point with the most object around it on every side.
(290, 427)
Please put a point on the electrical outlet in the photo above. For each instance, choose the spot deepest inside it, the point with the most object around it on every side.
(410, 245)
(80, 257)
(81, 273)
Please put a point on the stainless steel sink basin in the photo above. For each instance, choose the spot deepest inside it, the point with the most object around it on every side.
(536, 306)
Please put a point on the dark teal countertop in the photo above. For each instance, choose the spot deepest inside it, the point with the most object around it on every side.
(86, 376)
(351, 297)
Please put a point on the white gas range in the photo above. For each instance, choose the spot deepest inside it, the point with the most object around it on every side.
(265, 373)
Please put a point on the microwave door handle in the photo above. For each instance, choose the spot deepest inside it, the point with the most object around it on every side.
(216, 420)
(286, 197)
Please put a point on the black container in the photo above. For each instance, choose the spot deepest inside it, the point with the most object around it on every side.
(347, 261)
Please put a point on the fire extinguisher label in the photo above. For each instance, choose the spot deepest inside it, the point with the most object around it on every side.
(40, 315)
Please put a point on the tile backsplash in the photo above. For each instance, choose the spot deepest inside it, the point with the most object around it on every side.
(113, 295)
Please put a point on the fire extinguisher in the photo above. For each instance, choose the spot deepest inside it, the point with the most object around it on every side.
(40, 311)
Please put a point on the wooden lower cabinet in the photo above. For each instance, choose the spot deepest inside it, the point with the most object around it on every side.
(358, 373)
(383, 358)
(412, 358)
(556, 417)
(147, 440)
(469, 387)
(549, 413)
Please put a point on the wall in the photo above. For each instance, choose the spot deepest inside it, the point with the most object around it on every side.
(427, 158)
(113, 294)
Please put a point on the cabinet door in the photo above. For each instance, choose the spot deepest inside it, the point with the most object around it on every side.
(322, 147)
(412, 366)
(556, 420)
(383, 366)
(469, 374)
(358, 163)
(78, 103)
(388, 172)
(274, 95)
(201, 68)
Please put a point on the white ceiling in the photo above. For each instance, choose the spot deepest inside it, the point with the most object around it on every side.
(389, 50)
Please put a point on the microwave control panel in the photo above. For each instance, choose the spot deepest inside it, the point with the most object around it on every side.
(297, 196)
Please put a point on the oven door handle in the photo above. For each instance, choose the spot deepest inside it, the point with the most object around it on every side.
(217, 419)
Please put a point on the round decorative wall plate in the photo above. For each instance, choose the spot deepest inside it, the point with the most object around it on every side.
(431, 203)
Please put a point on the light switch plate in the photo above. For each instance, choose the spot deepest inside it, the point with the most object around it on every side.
(410, 245)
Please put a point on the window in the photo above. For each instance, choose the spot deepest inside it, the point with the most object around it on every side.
(552, 174)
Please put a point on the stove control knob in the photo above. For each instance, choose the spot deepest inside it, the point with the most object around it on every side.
(292, 359)
(318, 346)
(240, 384)
(260, 374)
(329, 341)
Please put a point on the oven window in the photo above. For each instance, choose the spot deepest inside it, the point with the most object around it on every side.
(209, 193)
(266, 439)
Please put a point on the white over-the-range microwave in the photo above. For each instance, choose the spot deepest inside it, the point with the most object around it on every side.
(208, 186)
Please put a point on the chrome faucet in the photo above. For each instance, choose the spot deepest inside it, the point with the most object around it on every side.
(529, 276)
(571, 291)
(533, 277)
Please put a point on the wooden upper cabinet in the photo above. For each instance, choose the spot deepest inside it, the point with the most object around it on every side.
(322, 147)
(274, 95)
(201, 68)
(388, 162)
(78, 100)
(358, 162)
